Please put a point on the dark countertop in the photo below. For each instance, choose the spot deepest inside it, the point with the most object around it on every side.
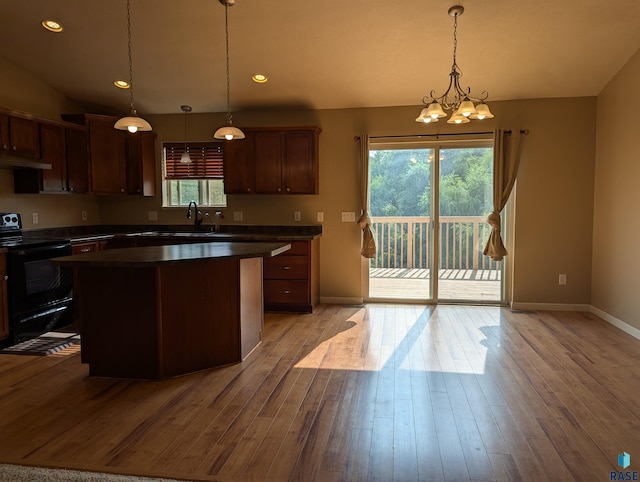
(78, 234)
(156, 255)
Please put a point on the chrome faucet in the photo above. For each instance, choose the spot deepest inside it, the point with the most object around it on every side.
(215, 227)
(197, 221)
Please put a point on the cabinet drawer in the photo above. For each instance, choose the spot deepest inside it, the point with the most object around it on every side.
(85, 248)
(298, 248)
(286, 267)
(294, 292)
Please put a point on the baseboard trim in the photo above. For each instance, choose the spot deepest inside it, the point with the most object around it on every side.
(631, 330)
(549, 306)
(341, 300)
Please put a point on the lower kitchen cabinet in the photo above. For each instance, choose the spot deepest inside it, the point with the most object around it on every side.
(87, 247)
(4, 314)
(291, 280)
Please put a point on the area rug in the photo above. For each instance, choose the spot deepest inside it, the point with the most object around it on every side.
(19, 473)
(50, 343)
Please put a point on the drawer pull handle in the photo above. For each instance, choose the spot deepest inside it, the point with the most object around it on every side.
(85, 250)
(285, 292)
(286, 267)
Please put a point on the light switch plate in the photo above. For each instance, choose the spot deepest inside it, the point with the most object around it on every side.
(153, 215)
(34, 218)
(84, 216)
(348, 217)
(320, 216)
(296, 215)
(238, 216)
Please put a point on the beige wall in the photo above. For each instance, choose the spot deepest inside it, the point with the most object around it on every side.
(553, 209)
(554, 193)
(616, 262)
(21, 91)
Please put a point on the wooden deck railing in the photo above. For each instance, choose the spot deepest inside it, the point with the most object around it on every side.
(403, 242)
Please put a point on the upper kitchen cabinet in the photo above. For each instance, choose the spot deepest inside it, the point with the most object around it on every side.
(280, 160)
(107, 156)
(19, 135)
(141, 163)
(64, 148)
(120, 162)
(77, 156)
(239, 166)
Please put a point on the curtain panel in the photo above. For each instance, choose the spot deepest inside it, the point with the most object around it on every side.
(368, 239)
(506, 159)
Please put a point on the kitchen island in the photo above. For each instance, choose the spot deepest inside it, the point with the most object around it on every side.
(162, 311)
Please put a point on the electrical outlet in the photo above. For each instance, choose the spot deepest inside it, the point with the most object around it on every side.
(296, 215)
(83, 215)
(320, 216)
(34, 218)
(153, 215)
(238, 216)
(562, 279)
(348, 217)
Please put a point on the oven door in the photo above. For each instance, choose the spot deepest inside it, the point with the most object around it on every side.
(39, 292)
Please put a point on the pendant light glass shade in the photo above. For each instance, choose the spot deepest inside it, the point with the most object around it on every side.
(131, 123)
(457, 118)
(482, 112)
(185, 158)
(228, 132)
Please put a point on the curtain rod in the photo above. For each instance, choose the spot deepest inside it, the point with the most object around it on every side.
(418, 136)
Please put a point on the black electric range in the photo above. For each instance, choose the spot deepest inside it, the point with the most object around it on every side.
(39, 293)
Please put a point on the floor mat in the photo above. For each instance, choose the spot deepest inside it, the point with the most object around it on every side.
(51, 343)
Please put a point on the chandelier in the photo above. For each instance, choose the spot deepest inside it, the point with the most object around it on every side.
(455, 99)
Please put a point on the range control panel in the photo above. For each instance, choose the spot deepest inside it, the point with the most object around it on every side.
(10, 223)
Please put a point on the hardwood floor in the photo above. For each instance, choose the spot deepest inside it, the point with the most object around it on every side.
(381, 392)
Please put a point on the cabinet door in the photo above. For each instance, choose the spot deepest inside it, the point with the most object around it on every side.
(300, 163)
(52, 149)
(239, 166)
(4, 314)
(141, 163)
(107, 147)
(4, 132)
(23, 136)
(77, 153)
(268, 158)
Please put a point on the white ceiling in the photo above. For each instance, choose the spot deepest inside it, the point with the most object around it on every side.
(320, 54)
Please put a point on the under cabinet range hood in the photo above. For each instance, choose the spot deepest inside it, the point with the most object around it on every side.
(8, 160)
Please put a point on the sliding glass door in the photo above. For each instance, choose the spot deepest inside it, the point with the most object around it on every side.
(429, 201)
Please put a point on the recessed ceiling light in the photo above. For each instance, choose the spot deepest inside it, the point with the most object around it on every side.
(121, 84)
(259, 78)
(52, 26)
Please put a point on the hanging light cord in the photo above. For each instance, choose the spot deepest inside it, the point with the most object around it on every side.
(226, 26)
(133, 108)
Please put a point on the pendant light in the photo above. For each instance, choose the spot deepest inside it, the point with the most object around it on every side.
(228, 132)
(131, 123)
(185, 159)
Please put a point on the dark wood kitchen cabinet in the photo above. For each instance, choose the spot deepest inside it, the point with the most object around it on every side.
(120, 162)
(4, 314)
(64, 147)
(141, 163)
(239, 166)
(107, 156)
(19, 135)
(291, 280)
(282, 160)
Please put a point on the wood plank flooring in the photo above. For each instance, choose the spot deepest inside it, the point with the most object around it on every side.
(376, 392)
